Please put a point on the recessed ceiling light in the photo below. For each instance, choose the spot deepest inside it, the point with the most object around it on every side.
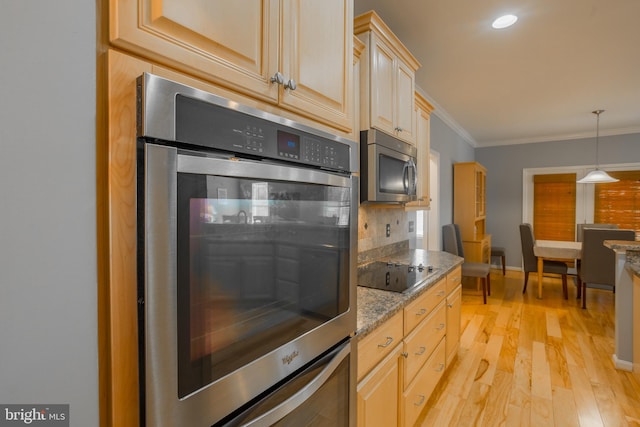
(504, 21)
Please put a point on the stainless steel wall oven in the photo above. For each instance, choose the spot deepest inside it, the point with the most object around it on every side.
(247, 228)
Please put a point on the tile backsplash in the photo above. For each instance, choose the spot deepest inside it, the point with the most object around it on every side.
(380, 228)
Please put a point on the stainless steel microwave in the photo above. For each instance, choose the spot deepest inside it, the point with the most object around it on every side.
(387, 168)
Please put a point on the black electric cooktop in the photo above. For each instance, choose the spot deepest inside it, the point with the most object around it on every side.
(392, 276)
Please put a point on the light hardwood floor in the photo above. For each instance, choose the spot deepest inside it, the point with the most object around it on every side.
(530, 362)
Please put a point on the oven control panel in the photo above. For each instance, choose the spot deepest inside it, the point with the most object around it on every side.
(257, 134)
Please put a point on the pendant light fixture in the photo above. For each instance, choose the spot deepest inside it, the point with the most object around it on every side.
(597, 176)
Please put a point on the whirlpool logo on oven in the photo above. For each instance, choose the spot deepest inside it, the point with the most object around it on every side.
(34, 415)
(286, 360)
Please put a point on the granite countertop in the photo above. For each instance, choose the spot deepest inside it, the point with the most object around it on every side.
(632, 249)
(376, 306)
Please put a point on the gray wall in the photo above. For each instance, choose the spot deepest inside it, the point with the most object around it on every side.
(48, 285)
(505, 165)
(453, 149)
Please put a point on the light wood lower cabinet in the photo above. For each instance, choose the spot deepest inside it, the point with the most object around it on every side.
(401, 362)
(377, 393)
(454, 302)
(478, 250)
(415, 396)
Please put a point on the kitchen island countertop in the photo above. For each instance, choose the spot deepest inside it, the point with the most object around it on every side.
(376, 306)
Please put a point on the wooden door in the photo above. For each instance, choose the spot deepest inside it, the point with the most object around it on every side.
(318, 55)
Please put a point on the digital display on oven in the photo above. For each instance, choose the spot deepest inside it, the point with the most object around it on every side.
(288, 145)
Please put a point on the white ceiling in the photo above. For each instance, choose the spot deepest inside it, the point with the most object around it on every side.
(536, 81)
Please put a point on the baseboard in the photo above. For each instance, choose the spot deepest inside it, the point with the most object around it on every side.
(623, 365)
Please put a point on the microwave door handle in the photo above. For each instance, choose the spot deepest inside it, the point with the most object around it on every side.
(412, 164)
(405, 178)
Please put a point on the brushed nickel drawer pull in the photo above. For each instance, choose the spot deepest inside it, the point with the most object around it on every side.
(440, 368)
(441, 294)
(421, 312)
(422, 399)
(387, 344)
(421, 352)
(439, 327)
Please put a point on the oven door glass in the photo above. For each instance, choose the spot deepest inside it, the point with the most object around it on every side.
(261, 262)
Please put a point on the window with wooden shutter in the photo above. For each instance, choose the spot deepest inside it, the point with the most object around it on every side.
(554, 206)
(619, 202)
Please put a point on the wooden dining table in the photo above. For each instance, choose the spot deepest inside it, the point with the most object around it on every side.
(554, 250)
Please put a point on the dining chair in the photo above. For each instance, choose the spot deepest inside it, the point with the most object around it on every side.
(530, 261)
(598, 263)
(452, 243)
(580, 229)
(500, 252)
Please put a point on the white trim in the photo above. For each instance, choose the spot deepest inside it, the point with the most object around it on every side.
(443, 115)
(557, 137)
(432, 217)
(623, 365)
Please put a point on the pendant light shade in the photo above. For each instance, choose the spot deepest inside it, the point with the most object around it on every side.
(597, 176)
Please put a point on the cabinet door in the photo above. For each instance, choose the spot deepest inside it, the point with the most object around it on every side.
(318, 57)
(405, 106)
(453, 324)
(382, 86)
(231, 43)
(377, 395)
(422, 162)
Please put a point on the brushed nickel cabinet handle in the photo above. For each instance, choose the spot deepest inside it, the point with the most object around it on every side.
(291, 84)
(421, 312)
(422, 399)
(439, 327)
(440, 368)
(387, 344)
(405, 354)
(277, 78)
(421, 352)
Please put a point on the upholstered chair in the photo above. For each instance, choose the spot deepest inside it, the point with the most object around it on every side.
(598, 263)
(452, 243)
(530, 261)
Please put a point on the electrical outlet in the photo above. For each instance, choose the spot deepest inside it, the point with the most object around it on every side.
(388, 230)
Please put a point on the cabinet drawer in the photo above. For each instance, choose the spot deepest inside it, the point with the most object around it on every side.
(419, 309)
(375, 346)
(421, 343)
(415, 398)
(454, 278)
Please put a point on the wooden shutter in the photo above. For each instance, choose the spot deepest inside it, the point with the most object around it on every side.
(619, 202)
(554, 206)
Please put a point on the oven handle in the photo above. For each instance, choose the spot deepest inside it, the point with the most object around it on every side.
(301, 396)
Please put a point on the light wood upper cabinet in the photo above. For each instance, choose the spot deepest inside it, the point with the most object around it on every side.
(278, 51)
(423, 143)
(387, 80)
